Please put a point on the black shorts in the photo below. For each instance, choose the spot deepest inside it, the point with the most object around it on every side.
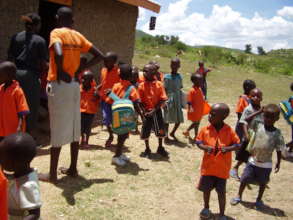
(208, 183)
(253, 174)
(242, 154)
(86, 123)
(156, 122)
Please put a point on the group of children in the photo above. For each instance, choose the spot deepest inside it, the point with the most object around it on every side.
(158, 101)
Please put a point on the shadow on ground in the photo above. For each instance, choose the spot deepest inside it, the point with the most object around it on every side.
(131, 168)
(265, 209)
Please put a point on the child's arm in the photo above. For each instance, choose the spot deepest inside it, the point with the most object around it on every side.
(61, 74)
(245, 133)
(20, 123)
(230, 148)
(279, 156)
(205, 148)
(239, 115)
(139, 109)
(251, 116)
(34, 214)
(158, 106)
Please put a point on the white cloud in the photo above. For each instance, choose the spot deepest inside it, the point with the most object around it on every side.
(142, 13)
(224, 27)
(286, 12)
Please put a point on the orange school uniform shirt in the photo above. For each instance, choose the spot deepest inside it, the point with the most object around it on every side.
(12, 104)
(217, 164)
(242, 103)
(151, 93)
(88, 102)
(120, 88)
(141, 77)
(3, 197)
(196, 99)
(73, 44)
(108, 79)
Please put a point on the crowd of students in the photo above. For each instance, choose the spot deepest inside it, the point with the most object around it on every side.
(74, 98)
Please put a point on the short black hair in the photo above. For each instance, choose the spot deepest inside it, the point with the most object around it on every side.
(65, 14)
(8, 68)
(273, 109)
(111, 56)
(195, 76)
(31, 19)
(175, 60)
(19, 147)
(248, 85)
(125, 71)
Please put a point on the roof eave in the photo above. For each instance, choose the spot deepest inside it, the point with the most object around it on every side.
(144, 4)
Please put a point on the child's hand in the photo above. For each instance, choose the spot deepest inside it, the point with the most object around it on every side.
(277, 168)
(108, 91)
(244, 139)
(149, 113)
(191, 108)
(209, 149)
(224, 150)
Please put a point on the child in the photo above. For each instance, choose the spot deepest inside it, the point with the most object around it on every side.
(196, 104)
(217, 141)
(267, 138)
(109, 76)
(88, 106)
(119, 89)
(153, 97)
(135, 83)
(3, 196)
(159, 75)
(16, 153)
(243, 102)
(203, 71)
(173, 111)
(252, 115)
(13, 105)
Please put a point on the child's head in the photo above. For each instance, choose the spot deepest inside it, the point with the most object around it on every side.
(175, 65)
(271, 114)
(149, 72)
(86, 79)
(156, 64)
(248, 85)
(196, 79)
(64, 16)
(255, 96)
(135, 74)
(110, 60)
(218, 113)
(126, 72)
(200, 63)
(32, 22)
(7, 72)
(17, 151)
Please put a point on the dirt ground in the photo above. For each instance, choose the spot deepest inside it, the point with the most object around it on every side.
(152, 189)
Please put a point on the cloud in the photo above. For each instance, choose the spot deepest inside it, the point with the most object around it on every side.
(286, 12)
(142, 14)
(224, 27)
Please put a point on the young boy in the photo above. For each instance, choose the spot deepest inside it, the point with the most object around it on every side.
(203, 71)
(158, 75)
(267, 139)
(217, 140)
(119, 89)
(135, 83)
(13, 105)
(16, 153)
(109, 76)
(196, 104)
(88, 106)
(153, 97)
(242, 103)
(252, 115)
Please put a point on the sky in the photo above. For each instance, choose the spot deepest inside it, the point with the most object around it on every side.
(227, 23)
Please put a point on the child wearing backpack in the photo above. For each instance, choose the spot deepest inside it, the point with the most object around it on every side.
(123, 114)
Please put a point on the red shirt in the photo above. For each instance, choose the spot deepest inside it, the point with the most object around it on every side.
(88, 102)
(108, 79)
(12, 104)
(217, 164)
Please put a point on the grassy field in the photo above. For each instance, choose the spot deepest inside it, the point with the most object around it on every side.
(164, 189)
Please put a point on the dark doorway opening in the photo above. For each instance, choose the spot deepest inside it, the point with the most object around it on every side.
(47, 11)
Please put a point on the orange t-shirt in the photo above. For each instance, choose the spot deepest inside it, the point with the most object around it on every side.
(120, 88)
(242, 103)
(88, 102)
(108, 79)
(196, 99)
(151, 93)
(141, 77)
(3, 197)
(73, 44)
(12, 104)
(217, 164)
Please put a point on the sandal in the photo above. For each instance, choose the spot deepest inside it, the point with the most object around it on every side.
(68, 172)
(235, 201)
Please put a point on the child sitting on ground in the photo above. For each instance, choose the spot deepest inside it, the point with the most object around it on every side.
(242, 103)
(13, 105)
(109, 76)
(264, 140)
(120, 89)
(16, 153)
(217, 140)
(196, 105)
(153, 97)
(89, 102)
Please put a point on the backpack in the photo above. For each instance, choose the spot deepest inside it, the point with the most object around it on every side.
(123, 113)
(287, 110)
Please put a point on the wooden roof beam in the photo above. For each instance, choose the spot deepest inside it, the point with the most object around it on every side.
(144, 4)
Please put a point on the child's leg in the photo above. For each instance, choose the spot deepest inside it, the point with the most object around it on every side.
(121, 140)
(167, 131)
(261, 191)
(206, 199)
(222, 202)
(145, 134)
(172, 134)
(111, 137)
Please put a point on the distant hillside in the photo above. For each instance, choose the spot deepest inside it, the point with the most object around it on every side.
(140, 34)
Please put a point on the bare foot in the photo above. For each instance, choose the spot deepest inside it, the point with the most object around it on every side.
(45, 177)
(186, 134)
(68, 172)
(173, 136)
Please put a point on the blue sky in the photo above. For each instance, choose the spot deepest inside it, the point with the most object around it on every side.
(231, 23)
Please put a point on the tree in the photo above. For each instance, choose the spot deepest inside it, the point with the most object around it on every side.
(261, 51)
(248, 48)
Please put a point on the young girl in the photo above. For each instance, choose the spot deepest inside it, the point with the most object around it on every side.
(173, 110)
(16, 153)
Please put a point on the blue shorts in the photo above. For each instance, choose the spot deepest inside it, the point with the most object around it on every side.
(253, 174)
(107, 113)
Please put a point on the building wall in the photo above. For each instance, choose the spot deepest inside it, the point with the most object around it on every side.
(10, 12)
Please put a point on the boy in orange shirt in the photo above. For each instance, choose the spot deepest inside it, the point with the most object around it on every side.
(119, 89)
(109, 76)
(217, 140)
(89, 102)
(13, 105)
(196, 103)
(153, 97)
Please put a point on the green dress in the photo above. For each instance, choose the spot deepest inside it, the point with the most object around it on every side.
(173, 85)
